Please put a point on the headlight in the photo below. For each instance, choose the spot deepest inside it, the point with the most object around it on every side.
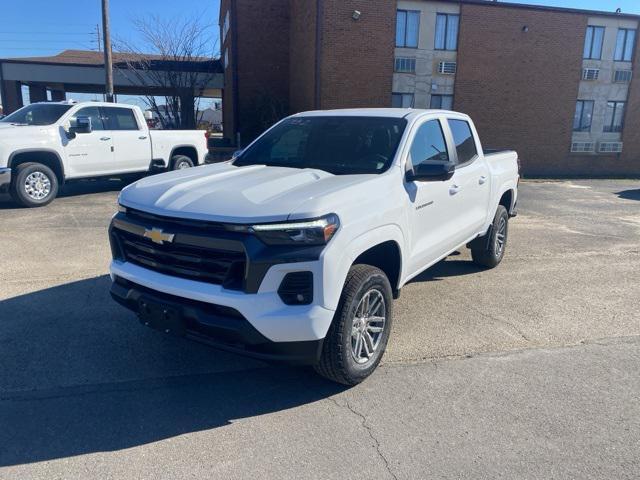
(306, 232)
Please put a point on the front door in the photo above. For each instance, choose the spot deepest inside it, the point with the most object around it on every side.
(432, 225)
(89, 154)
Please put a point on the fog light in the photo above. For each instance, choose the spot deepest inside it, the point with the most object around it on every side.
(297, 288)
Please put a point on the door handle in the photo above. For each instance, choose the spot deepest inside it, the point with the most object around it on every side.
(482, 180)
(104, 139)
(142, 137)
(453, 189)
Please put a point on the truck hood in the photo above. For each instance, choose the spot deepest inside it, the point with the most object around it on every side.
(225, 193)
(7, 129)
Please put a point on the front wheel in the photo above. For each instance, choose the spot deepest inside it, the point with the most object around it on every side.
(360, 329)
(34, 185)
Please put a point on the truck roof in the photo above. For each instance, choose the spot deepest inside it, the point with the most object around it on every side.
(88, 102)
(371, 112)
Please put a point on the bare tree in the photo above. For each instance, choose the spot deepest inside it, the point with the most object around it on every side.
(174, 60)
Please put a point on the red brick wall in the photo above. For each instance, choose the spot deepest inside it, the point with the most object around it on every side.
(630, 158)
(521, 87)
(302, 55)
(262, 64)
(357, 56)
(228, 108)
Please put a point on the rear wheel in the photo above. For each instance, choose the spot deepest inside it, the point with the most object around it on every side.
(34, 185)
(180, 162)
(492, 251)
(360, 330)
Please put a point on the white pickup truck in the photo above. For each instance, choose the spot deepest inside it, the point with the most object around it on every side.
(296, 248)
(42, 145)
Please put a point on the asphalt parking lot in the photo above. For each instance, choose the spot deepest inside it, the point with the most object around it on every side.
(529, 370)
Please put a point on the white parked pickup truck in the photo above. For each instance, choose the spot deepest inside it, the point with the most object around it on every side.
(45, 144)
(296, 248)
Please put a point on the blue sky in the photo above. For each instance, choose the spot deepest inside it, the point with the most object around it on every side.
(71, 24)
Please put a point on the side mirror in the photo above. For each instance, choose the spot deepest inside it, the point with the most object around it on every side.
(236, 154)
(83, 125)
(430, 172)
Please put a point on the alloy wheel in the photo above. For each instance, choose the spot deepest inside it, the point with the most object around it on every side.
(37, 185)
(368, 326)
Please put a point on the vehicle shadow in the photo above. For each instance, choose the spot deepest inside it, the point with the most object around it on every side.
(632, 194)
(81, 375)
(447, 268)
(76, 188)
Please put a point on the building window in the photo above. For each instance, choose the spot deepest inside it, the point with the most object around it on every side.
(405, 65)
(622, 76)
(593, 43)
(624, 45)
(446, 31)
(583, 116)
(614, 116)
(402, 100)
(442, 102)
(407, 28)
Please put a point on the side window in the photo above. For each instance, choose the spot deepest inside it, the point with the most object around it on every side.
(463, 138)
(429, 145)
(93, 113)
(121, 118)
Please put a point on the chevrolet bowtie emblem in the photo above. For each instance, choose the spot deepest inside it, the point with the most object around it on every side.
(158, 236)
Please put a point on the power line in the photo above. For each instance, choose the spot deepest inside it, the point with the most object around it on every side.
(47, 41)
(40, 32)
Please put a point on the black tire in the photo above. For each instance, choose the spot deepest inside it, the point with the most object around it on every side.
(40, 192)
(177, 162)
(492, 251)
(338, 360)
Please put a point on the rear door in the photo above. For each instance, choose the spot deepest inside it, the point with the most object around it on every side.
(131, 143)
(89, 154)
(470, 187)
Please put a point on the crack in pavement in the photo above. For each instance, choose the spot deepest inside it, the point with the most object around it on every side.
(369, 430)
(500, 320)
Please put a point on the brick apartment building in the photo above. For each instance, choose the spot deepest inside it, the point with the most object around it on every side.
(556, 84)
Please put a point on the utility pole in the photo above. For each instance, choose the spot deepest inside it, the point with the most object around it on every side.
(108, 61)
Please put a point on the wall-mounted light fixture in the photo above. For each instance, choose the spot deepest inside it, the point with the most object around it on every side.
(356, 14)
(525, 29)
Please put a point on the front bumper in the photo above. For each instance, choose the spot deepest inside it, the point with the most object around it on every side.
(216, 325)
(5, 179)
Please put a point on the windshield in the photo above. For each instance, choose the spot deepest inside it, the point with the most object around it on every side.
(339, 145)
(37, 114)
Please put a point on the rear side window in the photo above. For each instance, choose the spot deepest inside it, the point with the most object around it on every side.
(429, 145)
(93, 113)
(463, 139)
(120, 118)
